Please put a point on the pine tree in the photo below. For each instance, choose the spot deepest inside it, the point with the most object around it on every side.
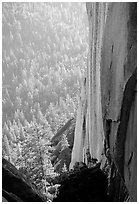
(35, 157)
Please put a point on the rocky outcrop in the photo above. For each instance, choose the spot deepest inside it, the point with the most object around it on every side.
(62, 143)
(15, 187)
(69, 129)
(83, 185)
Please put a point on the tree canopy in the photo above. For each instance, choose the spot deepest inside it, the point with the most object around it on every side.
(44, 57)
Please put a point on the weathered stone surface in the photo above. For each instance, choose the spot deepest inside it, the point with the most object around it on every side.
(60, 155)
(89, 134)
(15, 186)
(4, 200)
(110, 92)
(11, 197)
(66, 127)
(118, 84)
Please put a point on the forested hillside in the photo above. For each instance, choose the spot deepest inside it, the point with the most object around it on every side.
(44, 58)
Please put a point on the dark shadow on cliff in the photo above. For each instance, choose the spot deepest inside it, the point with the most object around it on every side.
(15, 187)
(83, 185)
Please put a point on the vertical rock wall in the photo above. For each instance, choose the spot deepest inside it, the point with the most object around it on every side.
(106, 121)
(96, 17)
(118, 90)
(89, 134)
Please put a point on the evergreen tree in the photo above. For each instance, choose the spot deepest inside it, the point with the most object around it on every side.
(35, 157)
(43, 62)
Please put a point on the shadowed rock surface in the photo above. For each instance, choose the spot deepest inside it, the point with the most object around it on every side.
(15, 187)
(60, 155)
(83, 185)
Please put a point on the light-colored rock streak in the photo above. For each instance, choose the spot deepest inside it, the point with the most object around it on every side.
(92, 138)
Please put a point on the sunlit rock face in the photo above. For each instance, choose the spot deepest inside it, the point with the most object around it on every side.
(89, 134)
(118, 89)
(106, 120)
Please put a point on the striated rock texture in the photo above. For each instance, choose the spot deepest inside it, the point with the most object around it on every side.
(107, 121)
(89, 134)
(118, 90)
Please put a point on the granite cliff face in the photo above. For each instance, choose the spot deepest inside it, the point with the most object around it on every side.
(106, 122)
(118, 90)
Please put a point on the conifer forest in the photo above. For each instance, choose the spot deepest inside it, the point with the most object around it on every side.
(65, 118)
(44, 54)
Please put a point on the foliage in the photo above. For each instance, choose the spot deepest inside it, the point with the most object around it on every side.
(63, 143)
(44, 51)
(31, 152)
(16, 187)
(44, 55)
